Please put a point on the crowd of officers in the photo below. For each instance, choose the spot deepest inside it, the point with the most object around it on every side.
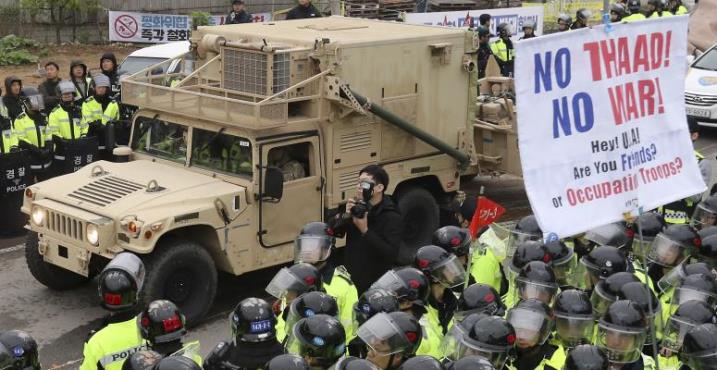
(631, 295)
(624, 11)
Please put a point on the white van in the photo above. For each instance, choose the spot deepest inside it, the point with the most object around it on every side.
(151, 55)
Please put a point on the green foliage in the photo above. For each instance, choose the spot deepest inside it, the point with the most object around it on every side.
(16, 50)
(200, 19)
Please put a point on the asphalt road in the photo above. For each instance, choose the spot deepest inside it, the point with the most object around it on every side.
(60, 321)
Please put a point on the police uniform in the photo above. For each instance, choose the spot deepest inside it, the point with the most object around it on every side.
(680, 10)
(338, 284)
(634, 17)
(664, 13)
(547, 356)
(431, 342)
(110, 347)
(440, 314)
(92, 111)
(34, 134)
(486, 267)
(9, 140)
(67, 125)
(644, 363)
(505, 54)
(679, 212)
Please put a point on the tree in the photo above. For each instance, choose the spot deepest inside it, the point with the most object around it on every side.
(59, 13)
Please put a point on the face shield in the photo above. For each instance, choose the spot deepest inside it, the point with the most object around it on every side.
(705, 360)
(640, 248)
(450, 273)
(391, 282)
(703, 217)
(674, 333)
(601, 235)
(567, 272)
(383, 336)
(312, 248)
(492, 309)
(131, 264)
(34, 102)
(449, 344)
(600, 301)
(499, 247)
(672, 278)
(516, 238)
(531, 328)
(527, 289)
(284, 282)
(684, 294)
(573, 330)
(315, 347)
(622, 345)
(666, 252)
(468, 347)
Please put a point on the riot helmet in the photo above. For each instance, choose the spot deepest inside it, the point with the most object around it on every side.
(706, 213)
(320, 338)
(161, 322)
(22, 348)
(606, 291)
(449, 344)
(177, 363)
(639, 293)
(622, 331)
(536, 280)
(648, 225)
(492, 338)
(617, 12)
(574, 319)
(142, 360)
(526, 229)
(699, 349)
(674, 245)
(586, 357)
(440, 266)
(291, 282)
(564, 263)
(532, 321)
(421, 363)
(395, 333)
(120, 282)
(687, 316)
(602, 262)
(314, 243)
(453, 239)
(373, 301)
(708, 249)
(479, 298)
(633, 6)
(288, 362)
(675, 276)
(407, 283)
(564, 22)
(471, 363)
(32, 100)
(504, 30)
(528, 251)
(697, 287)
(613, 235)
(311, 304)
(253, 321)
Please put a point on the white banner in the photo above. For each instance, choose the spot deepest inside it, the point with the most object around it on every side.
(601, 123)
(513, 16)
(158, 28)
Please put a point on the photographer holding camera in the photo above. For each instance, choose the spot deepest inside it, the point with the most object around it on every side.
(373, 227)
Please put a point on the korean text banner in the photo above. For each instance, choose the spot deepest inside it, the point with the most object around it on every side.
(516, 17)
(601, 123)
(157, 28)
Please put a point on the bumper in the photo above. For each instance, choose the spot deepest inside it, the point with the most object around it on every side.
(63, 236)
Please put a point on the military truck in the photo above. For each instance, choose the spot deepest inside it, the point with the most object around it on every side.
(266, 133)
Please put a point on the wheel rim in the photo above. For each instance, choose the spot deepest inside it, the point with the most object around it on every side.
(179, 286)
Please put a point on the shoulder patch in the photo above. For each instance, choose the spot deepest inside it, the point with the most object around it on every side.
(344, 273)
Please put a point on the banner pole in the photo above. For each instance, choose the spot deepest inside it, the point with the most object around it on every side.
(653, 330)
(470, 249)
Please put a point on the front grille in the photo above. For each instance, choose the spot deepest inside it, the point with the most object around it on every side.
(700, 100)
(65, 225)
(105, 191)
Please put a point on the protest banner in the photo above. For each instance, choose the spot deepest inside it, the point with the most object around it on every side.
(601, 123)
(158, 28)
(465, 18)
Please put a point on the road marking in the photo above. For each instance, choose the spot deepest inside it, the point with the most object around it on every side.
(12, 249)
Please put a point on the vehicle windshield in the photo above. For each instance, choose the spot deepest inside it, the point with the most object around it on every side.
(132, 65)
(221, 152)
(161, 139)
(708, 61)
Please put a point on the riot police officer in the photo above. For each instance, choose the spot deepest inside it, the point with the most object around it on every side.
(699, 350)
(634, 7)
(645, 298)
(314, 245)
(309, 304)
(461, 327)
(647, 226)
(533, 323)
(421, 363)
(525, 229)
(177, 363)
(444, 271)
(454, 240)
(621, 334)
(99, 111)
(288, 284)
(536, 280)
(708, 249)
(688, 315)
(287, 362)
(162, 325)
(564, 22)
(142, 360)
(31, 129)
(369, 304)
(574, 319)
(492, 337)
(586, 357)
(471, 363)
(392, 338)
(65, 120)
(503, 50)
(320, 339)
(705, 214)
(617, 12)
(656, 9)
(120, 283)
(22, 348)
(254, 343)
(582, 18)
(564, 262)
(354, 363)
(479, 298)
(602, 262)
(696, 287)
(606, 291)
(528, 30)
(672, 247)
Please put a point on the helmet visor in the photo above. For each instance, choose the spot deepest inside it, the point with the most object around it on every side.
(674, 333)
(284, 282)
(703, 217)
(131, 264)
(383, 335)
(641, 247)
(705, 360)
(35, 102)
(392, 282)
(498, 243)
(672, 278)
(666, 252)
(531, 328)
(449, 344)
(683, 294)
(468, 347)
(527, 289)
(450, 273)
(565, 271)
(600, 300)
(516, 238)
(622, 346)
(602, 235)
(312, 248)
(315, 347)
(574, 330)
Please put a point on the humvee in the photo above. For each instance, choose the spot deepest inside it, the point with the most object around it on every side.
(263, 128)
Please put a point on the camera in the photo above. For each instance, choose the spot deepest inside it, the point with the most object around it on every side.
(362, 205)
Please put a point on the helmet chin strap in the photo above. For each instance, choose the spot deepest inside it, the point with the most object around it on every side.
(390, 362)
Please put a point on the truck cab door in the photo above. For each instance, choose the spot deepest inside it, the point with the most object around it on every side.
(301, 201)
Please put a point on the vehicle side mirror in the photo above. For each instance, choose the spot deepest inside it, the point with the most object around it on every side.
(273, 184)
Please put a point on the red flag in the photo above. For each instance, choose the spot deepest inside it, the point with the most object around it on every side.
(487, 212)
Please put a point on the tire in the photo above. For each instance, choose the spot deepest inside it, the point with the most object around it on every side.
(421, 218)
(183, 272)
(47, 274)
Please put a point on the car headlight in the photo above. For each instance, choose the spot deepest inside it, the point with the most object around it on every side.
(38, 215)
(93, 234)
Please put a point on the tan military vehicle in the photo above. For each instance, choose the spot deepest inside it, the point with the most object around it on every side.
(266, 133)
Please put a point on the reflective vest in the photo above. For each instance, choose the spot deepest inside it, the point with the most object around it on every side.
(61, 124)
(664, 13)
(9, 140)
(27, 131)
(431, 342)
(680, 10)
(501, 51)
(111, 346)
(92, 111)
(344, 291)
(555, 361)
(280, 328)
(486, 268)
(3, 111)
(669, 363)
(634, 17)
(191, 350)
(680, 212)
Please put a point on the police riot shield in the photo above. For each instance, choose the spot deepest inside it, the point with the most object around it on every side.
(15, 176)
(71, 155)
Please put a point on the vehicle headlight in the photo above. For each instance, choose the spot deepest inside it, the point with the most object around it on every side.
(93, 234)
(38, 215)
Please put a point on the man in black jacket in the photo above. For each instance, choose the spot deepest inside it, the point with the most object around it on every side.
(48, 88)
(305, 9)
(11, 99)
(238, 14)
(374, 239)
